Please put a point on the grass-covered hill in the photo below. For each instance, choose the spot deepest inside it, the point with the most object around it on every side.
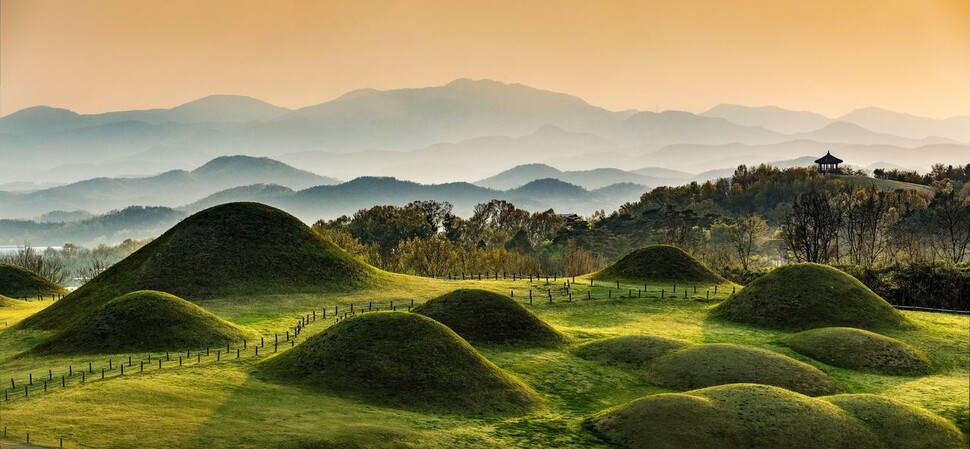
(708, 365)
(898, 425)
(807, 296)
(17, 282)
(145, 321)
(859, 350)
(402, 360)
(733, 416)
(481, 316)
(630, 350)
(762, 417)
(661, 263)
(235, 249)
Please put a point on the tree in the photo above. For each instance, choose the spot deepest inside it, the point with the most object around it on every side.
(869, 215)
(950, 223)
(47, 265)
(810, 231)
(432, 256)
(746, 235)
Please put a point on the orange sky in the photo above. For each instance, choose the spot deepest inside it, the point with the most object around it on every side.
(829, 56)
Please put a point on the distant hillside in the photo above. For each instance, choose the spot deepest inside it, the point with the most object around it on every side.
(321, 202)
(907, 125)
(588, 179)
(134, 222)
(770, 117)
(837, 132)
(170, 189)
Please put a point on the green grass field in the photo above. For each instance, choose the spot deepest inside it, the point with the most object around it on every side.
(227, 404)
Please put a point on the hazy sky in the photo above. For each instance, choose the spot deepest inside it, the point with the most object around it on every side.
(829, 56)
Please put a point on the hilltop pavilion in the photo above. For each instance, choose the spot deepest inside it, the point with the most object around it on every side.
(828, 163)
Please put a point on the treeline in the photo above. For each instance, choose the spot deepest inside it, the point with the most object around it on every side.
(426, 238)
(938, 172)
(72, 265)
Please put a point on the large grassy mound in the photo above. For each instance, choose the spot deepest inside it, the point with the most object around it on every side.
(632, 350)
(16, 282)
(708, 365)
(145, 321)
(732, 416)
(807, 296)
(663, 263)
(481, 316)
(859, 349)
(236, 249)
(898, 425)
(402, 360)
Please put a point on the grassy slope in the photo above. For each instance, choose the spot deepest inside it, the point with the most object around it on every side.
(806, 296)
(899, 426)
(145, 321)
(741, 415)
(886, 184)
(404, 360)
(630, 350)
(859, 349)
(206, 407)
(16, 282)
(237, 249)
(481, 316)
(708, 365)
(660, 263)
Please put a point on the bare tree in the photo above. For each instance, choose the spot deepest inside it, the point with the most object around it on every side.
(46, 265)
(746, 235)
(869, 215)
(950, 224)
(91, 270)
(810, 232)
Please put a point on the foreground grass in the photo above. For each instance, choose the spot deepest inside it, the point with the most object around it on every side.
(223, 405)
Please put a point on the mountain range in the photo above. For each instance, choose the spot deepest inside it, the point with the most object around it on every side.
(462, 131)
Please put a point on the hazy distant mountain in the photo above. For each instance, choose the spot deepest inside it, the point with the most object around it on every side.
(345, 199)
(907, 125)
(173, 188)
(769, 117)
(460, 110)
(211, 109)
(670, 127)
(449, 162)
(260, 193)
(841, 132)
(587, 179)
(113, 227)
(461, 131)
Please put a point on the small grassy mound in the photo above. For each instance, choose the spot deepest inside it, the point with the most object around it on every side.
(235, 249)
(145, 321)
(732, 416)
(633, 350)
(402, 360)
(898, 425)
(481, 316)
(708, 365)
(859, 349)
(807, 296)
(8, 302)
(17, 282)
(663, 263)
